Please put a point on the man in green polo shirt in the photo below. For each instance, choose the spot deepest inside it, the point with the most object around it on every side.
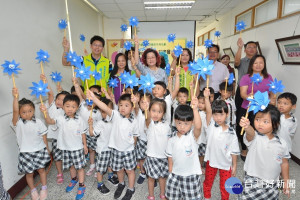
(95, 60)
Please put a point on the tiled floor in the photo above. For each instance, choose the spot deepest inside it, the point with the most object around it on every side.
(57, 192)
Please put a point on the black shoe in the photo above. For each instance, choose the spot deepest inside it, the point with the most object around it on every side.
(128, 194)
(103, 189)
(119, 191)
(141, 178)
(243, 158)
(155, 183)
(114, 180)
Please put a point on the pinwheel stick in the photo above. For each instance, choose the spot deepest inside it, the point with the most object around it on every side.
(226, 81)
(87, 87)
(196, 83)
(65, 32)
(124, 88)
(241, 33)
(132, 94)
(45, 115)
(246, 116)
(42, 68)
(73, 72)
(134, 31)
(252, 88)
(179, 60)
(207, 81)
(13, 79)
(145, 109)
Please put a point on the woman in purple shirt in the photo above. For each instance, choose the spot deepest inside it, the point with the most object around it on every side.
(257, 65)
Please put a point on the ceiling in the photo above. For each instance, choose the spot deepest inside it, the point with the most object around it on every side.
(205, 11)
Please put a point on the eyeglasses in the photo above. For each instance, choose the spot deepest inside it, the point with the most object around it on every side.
(97, 45)
(213, 52)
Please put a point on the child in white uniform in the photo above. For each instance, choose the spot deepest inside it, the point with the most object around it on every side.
(286, 102)
(32, 140)
(221, 150)
(184, 180)
(267, 157)
(122, 141)
(182, 98)
(158, 131)
(72, 141)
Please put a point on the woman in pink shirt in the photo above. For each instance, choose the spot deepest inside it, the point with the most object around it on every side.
(257, 65)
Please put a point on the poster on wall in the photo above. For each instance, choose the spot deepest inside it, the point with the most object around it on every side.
(113, 46)
(289, 49)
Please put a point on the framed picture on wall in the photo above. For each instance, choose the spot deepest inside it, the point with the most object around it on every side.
(289, 49)
(229, 52)
(258, 48)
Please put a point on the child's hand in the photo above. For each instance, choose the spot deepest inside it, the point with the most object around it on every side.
(192, 84)
(206, 93)
(58, 87)
(75, 81)
(43, 78)
(85, 52)
(233, 171)
(173, 56)
(177, 71)
(170, 79)
(194, 103)
(85, 149)
(43, 108)
(136, 40)
(66, 44)
(90, 121)
(15, 92)
(90, 95)
(244, 123)
(286, 189)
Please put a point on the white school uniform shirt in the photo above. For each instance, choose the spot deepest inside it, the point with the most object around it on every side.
(140, 117)
(220, 146)
(84, 113)
(53, 113)
(203, 136)
(30, 134)
(123, 132)
(102, 130)
(231, 111)
(70, 132)
(264, 157)
(287, 129)
(184, 153)
(158, 134)
(175, 104)
(168, 100)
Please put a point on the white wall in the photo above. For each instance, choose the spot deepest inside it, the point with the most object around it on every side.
(266, 35)
(26, 27)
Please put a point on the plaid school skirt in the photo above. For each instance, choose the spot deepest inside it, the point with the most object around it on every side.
(256, 189)
(73, 158)
(91, 142)
(140, 149)
(31, 161)
(201, 149)
(102, 161)
(122, 160)
(56, 152)
(156, 167)
(184, 187)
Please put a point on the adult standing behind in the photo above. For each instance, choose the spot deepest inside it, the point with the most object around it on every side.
(150, 64)
(219, 73)
(257, 64)
(95, 60)
(225, 59)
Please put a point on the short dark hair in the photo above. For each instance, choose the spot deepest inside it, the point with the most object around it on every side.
(105, 100)
(214, 45)
(218, 106)
(275, 116)
(73, 88)
(61, 93)
(211, 90)
(229, 87)
(250, 68)
(97, 87)
(72, 97)
(99, 38)
(290, 96)
(24, 102)
(184, 113)
(125, 97)
(161, 102)
(201, 95)
(249, 42)
(127, 52)
(161, 83)
(184, 91)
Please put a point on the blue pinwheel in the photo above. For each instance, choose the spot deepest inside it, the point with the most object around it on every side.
(133, 21)
(123, 76)
(82, 37)
(42, 56)
(83, 72)
(259, 102)
(127, 45)
(146, 83)
(56, 77)
(39, 89)
(74, 59)
(190, 44)
(97, 75)
(89, 102)
(62, 24)
(240, 25)
(231, 79)
(256, 79)
(275, 86)
(178, 50)
(131, 81)
(10, 67)
(208, 43)
(124, 27)
(168, 69)
(113, 82)
(217, 33)
(171, 37)
(145, 43)
(202, 67)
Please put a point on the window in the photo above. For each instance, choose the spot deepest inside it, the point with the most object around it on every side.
(208, 35)
(200, 40)
(290, 6)
(212, 34)
(266, 12)
(246, 17)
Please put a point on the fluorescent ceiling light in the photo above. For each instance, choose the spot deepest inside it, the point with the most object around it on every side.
(91, 5)
(169, 2)
(168, 7)
(158, 5)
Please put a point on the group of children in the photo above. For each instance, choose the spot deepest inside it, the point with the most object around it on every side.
(169, 148)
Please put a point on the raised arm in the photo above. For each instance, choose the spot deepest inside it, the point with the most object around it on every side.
(135, 101)
(136, 50)
(173, 64)
(177, 83)
(250, 133)
(78, 89)
(15, 94)
(197, 119)
(238, 55)
(50, 93)
(66, 46)
(286, 176)
(99, 103)
(91, 128)
(48, 120)
(208, 109)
